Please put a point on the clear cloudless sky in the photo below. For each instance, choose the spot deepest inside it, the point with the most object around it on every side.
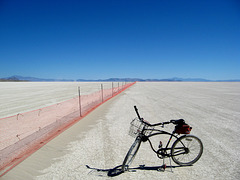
(98, 39)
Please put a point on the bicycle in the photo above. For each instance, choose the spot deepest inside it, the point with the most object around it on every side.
(185, 151)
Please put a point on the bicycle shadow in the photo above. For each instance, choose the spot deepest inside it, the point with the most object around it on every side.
(105, 172)
(118, 170)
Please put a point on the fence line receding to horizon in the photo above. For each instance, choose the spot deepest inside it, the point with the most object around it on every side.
(24, 133)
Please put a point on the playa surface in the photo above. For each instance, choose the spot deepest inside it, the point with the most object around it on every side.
(101, 139)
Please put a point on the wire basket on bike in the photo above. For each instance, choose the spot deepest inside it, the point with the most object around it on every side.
(136, 127)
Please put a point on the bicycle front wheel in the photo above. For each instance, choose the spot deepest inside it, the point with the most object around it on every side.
(186, 150)
(131, 154)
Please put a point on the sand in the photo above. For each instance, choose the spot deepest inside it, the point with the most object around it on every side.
(101, 139)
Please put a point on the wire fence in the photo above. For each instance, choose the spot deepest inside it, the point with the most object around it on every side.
(24, 133)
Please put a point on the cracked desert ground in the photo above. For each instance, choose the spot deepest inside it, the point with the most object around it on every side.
(101, 139)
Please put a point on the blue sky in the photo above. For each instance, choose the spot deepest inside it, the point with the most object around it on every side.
(98, 39)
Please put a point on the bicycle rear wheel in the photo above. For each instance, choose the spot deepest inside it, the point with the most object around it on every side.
(186, 150)
(131, 154)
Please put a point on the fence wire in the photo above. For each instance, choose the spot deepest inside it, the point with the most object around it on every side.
(24, 133)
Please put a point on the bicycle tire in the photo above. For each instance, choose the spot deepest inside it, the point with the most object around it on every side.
(131, 154)
(186, 150)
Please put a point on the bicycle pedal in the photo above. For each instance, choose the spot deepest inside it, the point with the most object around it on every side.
(161, 169)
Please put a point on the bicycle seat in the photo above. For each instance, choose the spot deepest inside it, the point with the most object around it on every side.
(178, 121)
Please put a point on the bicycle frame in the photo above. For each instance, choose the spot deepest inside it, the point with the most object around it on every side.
(145, 138)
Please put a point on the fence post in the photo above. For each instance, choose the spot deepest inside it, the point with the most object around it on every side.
(102, 91)
(112, 89)
(79, 96)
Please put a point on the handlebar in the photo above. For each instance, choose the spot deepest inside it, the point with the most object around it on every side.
(135, 107)
(178, 121)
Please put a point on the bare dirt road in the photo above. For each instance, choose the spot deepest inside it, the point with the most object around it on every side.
(101, 139)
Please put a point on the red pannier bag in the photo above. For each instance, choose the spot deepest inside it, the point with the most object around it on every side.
(183, 129)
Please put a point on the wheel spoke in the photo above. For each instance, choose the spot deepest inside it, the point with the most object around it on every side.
(131, 154)
(188, 154)
(180, 151)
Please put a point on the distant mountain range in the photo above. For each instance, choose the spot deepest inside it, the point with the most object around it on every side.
(32, 79)
(16, 78)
